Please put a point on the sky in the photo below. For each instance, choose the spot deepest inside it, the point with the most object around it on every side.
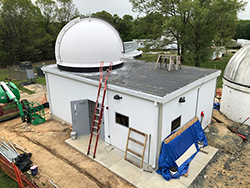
(246, 14)
(122, 7)
(119, 7)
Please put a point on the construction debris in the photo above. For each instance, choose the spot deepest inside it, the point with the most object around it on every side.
(54, 184)
(20, 148)
(205, 149)
(7, 151)
(23, 161)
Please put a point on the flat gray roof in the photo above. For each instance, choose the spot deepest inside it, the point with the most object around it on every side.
(141, 76)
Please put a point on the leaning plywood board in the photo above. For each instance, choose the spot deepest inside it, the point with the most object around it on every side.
(183, 128)
(188, 153)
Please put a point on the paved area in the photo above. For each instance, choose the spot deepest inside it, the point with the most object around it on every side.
(113, 159)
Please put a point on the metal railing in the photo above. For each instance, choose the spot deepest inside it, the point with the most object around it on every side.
(15, 72)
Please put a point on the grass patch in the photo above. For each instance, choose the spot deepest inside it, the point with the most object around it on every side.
(41, 80)
(3, 74)
(217, 64)
(149, 57)
(17, 83)
(6, 181)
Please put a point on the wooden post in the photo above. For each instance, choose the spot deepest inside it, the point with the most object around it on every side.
(178, 62)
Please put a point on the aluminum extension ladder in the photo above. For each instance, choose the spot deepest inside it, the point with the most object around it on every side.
(98, 112)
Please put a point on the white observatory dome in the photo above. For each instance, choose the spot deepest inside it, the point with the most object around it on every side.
(84, 42)
(235, 102)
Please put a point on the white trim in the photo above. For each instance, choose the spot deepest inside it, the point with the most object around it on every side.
(156, 131)
(48, 92)
(199, 82)
(236, 86)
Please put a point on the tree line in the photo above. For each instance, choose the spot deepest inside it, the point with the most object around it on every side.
(195, 24)
(242, 30)
(29, 31)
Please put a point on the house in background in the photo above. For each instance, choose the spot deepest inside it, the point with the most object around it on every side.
(153, 101)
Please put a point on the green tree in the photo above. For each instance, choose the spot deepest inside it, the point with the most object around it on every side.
(104, 15)
(123, 25)
(149, 27)
(1, 40)
(19, 30)
(2, 53)
(126, 26)
(66, 11)
(49, 28)
(29, 32)
(242, 30)
(48, 10)
(195, 24)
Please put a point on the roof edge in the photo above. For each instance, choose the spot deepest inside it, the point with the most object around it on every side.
(135, 93)
(178, 93)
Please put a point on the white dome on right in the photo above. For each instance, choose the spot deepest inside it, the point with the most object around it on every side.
(235, 101)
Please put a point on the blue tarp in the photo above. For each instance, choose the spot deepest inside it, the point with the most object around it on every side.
(217, 106)
(171, 151)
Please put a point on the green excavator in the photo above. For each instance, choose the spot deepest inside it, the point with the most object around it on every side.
(30, 112)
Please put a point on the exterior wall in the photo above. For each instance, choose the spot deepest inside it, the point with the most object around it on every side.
(206, 102)
(142, 116)
(173, 109)
(62, 90)
(199, 98)
(142, 113)
(235, 102)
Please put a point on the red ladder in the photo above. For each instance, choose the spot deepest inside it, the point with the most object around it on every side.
(98, 112)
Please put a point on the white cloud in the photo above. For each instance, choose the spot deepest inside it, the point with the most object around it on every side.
(122, 7)
(119, 7)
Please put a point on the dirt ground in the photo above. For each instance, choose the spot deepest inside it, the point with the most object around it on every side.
(230, 166)
(56, 160)
(68, 168)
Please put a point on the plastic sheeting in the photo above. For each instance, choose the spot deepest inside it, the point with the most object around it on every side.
(174, 149)
(23, 161)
